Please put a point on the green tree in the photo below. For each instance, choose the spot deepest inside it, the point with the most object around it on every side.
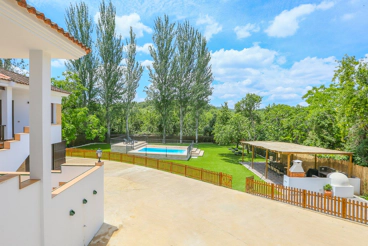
(202, 89)
(184, 77)
(162, 74)
(80, 24)
(248, 107)
(77, 120)
(110, 47)
(132, 75)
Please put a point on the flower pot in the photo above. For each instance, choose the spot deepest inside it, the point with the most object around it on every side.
(328, 193)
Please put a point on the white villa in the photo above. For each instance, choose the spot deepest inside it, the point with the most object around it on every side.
(40, 205)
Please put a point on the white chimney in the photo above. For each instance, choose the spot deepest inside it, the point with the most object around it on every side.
(297, 170)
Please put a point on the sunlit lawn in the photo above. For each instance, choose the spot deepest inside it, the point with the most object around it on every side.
(216, 158)
(221, 159)
(103, 146)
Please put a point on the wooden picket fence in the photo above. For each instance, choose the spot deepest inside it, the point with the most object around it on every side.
(336, 206)
(217, 178)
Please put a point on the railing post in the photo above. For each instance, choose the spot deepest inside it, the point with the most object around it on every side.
(344, 207)
(220, 178)
(272, 191)
(304, 199)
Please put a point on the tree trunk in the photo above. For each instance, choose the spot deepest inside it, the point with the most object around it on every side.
(127, 124)
(197, 126)
(164, 135)
(181, 125)
(108, 134)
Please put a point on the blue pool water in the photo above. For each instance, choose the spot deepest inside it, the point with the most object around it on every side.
(162, 150)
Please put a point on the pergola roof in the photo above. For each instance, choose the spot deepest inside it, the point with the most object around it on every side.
(291, 148)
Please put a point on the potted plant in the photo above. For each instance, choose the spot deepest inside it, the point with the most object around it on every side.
(328, 190)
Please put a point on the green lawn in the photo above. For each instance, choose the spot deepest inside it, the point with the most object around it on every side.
(103, 146)
(216, 158)
(221, 159)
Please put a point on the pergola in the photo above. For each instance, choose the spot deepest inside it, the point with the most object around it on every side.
(291, 148)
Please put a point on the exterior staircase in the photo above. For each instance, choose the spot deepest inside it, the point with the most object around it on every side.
(15, 151)
(197, 152)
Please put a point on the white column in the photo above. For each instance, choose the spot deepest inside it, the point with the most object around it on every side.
(7, 97)
(40, 130)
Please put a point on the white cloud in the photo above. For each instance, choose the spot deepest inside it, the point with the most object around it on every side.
(124, 22)
(257, 70)
(144, 48)
(346, 17)
(287, 23)
(245, 31)
(147, 63)
(211, 26)
(58, 63)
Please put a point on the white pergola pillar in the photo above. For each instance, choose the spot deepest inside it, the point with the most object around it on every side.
(7, 98)
(40, 132)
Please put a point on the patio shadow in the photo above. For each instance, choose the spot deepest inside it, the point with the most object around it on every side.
(103, 235)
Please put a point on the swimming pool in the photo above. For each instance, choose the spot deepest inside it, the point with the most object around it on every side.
(162, 150)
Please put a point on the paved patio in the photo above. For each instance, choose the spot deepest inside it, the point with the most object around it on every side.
(152, 207)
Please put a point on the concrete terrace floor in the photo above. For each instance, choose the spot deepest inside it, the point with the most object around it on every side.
(152, 207)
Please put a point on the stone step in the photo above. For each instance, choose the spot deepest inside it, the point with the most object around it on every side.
(201, 153)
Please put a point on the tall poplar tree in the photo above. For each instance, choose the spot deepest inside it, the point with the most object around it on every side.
(132, 75)
(185, 76)
(80, 24)
(162, 74)
(202, 89)
(110, 47)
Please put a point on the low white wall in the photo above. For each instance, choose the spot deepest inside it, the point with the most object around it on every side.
(20, 214)
(67, 173)
(316, 184)
(55, 134)
(311, 184)
(11, 159)
(79, 229)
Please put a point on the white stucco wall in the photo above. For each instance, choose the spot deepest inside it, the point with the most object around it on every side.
(20, 214)
(21, 110)
(67, 173)
(78, 229)
(55, 134)
(11, 159)
(316, 184)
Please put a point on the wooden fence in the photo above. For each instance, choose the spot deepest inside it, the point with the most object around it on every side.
(217, 178)
(336, 206)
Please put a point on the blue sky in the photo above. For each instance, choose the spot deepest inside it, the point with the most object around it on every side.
(276, 49)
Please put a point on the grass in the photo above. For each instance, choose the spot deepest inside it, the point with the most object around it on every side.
(221, 159)
(216, 158)
(103, 146)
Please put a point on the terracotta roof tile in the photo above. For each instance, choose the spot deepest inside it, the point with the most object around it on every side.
(4, 77)
(24, 80)
(41, 16)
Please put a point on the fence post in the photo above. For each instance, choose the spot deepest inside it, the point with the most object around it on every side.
(304, 199)
(84, 154)
(201, 173)
(71, 152)
(185, 172)
(109, 155)
(133, 161)
(145, 161)
(171, 167)
(344, 207)
(157, 163)
(220, 178)
(121, 157)
(272, 191)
